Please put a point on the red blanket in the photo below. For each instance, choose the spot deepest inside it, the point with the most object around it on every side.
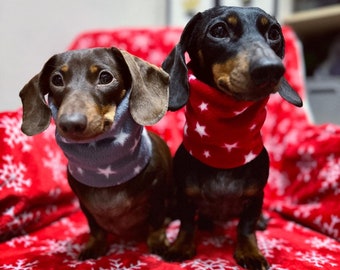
(41, 226)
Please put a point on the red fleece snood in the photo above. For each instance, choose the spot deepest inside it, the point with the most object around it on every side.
(221, 131)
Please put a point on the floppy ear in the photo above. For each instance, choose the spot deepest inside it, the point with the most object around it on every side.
(149, 96)
(36, 113)
(176, 66)
(289, 94)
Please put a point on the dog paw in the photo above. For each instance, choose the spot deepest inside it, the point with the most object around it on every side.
(93, 250)
(158, 242)
(176, 254)
(252, 261)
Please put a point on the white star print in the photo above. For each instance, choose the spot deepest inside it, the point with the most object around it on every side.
(137, 169)
(253, 126)
(230, 146)
(80, 170)
(249, 157)
(121, 138)
(239, 112)
(200, 130)
(185, 130)
(92, 144)
(107, 171)
(206, 154)
(203, 106)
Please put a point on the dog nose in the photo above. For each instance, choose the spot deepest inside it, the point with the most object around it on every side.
(72, 123)
(266, 71)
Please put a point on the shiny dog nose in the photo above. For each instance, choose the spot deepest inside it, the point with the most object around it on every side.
(264, 71)
(72, 123)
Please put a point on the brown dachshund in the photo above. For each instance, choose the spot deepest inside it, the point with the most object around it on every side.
(100, 100)
(222, 167)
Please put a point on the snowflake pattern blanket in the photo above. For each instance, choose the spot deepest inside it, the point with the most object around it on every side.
(41, 226)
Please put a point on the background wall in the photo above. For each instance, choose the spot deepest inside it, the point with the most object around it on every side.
(33, 30)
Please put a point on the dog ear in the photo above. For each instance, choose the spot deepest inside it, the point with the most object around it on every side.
(36, 113)
(289, 94)
(149, 96)
(176, 66)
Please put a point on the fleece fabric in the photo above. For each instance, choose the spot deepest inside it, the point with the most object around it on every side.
(221, 131)
(113, 157)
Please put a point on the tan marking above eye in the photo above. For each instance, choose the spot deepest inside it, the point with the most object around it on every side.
(264, 21)
(93, 69)
(233, 20)
(64, 68)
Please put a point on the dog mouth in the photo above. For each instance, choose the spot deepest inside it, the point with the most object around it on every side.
(243, 90)
(80, 129)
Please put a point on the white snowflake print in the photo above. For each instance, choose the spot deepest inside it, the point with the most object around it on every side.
(328, 228)
(21, 264)
(202, 264)
(17, 225)
(14, 136)
(122, 247)
(25, 241)
(12, 175)
(216, 241)
(267, 246)
(330, 174)
(305, 210)
(55, 163)
(326, 243)
(306, 165)
(317, 260)
(277, 267)
(279, 181)
(116, 264)
(50, 247)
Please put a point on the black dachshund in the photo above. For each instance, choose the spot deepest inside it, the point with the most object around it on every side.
(222, 167)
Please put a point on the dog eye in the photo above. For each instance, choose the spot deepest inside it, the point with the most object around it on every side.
(219, 31)
(274, 33)
(57, 80)
(105, 77)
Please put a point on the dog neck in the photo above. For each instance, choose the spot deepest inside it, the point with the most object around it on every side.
(112, 158)
(221, 131)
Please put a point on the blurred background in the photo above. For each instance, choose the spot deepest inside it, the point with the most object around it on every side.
(33, 30)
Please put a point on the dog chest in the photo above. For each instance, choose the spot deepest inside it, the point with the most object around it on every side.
(119, 213)
(222, 197)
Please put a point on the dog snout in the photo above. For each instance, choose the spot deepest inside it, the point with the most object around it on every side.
(266, 71)
(72, 123)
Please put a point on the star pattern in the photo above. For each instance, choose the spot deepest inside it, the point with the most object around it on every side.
(230, 146)
(106, 171)
(249, 157)
(137, 169)
(200, 130)
(203, 106)
(206, 154)
(240, 111)
(121, 138)
(214, 135)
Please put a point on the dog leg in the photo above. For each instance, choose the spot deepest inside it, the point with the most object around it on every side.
(157, 240)
(97, 244)
(184, 247)
(247, 253)
(262, 223)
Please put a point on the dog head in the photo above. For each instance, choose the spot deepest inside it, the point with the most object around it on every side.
(239, 51)
(87, 86)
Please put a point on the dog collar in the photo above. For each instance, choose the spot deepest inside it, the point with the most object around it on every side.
(112, 158)
(221, 131)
